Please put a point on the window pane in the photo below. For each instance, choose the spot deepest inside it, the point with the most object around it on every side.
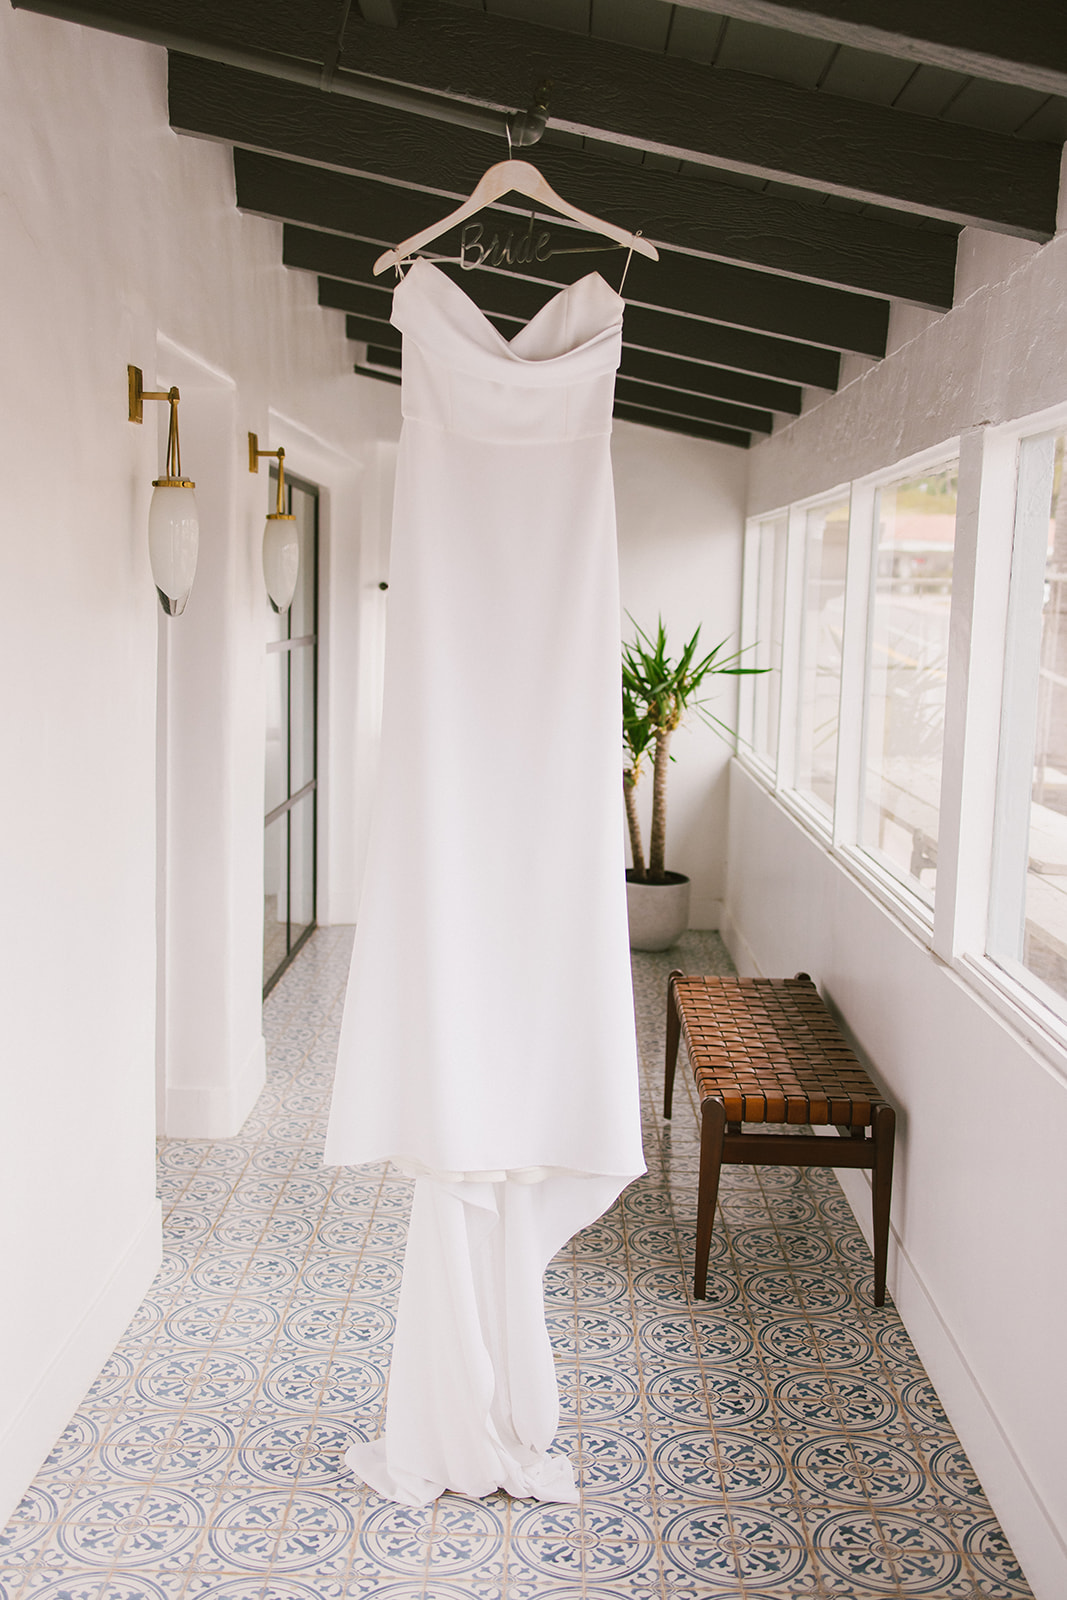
(275, 896)
(301, 867)
(289, 847)
(302, 714)
(907, 666)
(770, 601)
(276, 775)
(304, 506)
(1028, 924)
(277, 621)
(825, 553)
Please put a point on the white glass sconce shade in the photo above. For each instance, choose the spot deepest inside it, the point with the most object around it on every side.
(281, 559)
(281, 542)
(173, 521)
(173, 542)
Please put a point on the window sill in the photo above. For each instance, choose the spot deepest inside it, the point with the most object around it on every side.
(816, 822)
(1012, 1001)
(908, 908)
(1038, 1024)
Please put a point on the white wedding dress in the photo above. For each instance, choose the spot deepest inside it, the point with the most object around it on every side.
(487, 1045)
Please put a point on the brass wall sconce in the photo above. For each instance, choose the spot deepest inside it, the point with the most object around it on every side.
(173, 521)
(281, 544)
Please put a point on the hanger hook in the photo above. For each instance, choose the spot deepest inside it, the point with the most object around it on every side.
(629, 258)
(526, 127)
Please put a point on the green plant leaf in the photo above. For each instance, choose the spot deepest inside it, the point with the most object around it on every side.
(658, 693)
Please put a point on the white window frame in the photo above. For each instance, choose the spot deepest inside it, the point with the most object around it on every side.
(956, 929)
(812, 816)
(1018, 721)
(1042, 1023)
(779, 775)
(746, 704)
(919, 912)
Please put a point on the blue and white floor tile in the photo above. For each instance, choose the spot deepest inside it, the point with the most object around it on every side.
(778, 1441)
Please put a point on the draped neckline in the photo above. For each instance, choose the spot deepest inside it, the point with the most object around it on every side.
(470, 308)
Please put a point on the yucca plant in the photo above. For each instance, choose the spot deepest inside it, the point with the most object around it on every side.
(637, 739)
(657, 694)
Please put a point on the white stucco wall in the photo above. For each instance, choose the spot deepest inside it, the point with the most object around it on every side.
(980, 1192)
(121, 244)
(680, 509)
(133, 807)
(359, 610)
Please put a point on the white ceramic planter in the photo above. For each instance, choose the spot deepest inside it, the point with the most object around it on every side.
(658, 912)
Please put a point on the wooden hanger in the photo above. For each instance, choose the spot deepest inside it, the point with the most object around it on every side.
(520, 177)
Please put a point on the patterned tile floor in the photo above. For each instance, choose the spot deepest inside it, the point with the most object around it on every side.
(779, 1440)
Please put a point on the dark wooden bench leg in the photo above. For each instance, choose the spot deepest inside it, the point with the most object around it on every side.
(883, 1128)
(712, 1128)
(674, 1029)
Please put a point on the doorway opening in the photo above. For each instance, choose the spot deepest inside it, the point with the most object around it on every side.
(290, 837)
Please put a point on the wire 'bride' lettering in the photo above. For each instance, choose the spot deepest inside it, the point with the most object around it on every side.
(508, 251)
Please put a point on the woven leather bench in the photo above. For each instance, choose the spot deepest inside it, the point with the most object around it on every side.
(768, 1051)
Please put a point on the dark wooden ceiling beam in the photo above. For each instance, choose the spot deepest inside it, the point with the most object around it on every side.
(677, 423)
(363, 371)
(386, 13)
(721, 117)
(365, 330)
(336, 256)
(690, 285)
(680, 378)
(303, 32)
(675, 284)
(650, 416)
(998, 39)
(697, 377)
(690, 214)
(302, 49)
(629, 390)
(676, 374)
(477, 66)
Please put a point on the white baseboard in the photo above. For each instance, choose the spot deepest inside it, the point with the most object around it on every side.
(212, 1111)
(1040, 1547)
(705, 913)
(61, 1388)
(741, 953)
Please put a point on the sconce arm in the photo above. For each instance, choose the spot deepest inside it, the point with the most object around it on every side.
(254, 453)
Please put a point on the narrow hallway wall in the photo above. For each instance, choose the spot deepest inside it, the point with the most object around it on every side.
(980, 1191)
(121, 243)
(680, 508)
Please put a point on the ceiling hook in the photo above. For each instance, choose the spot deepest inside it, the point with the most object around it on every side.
(526, 127)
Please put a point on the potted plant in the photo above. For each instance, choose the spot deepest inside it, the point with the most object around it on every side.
(657, 694)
